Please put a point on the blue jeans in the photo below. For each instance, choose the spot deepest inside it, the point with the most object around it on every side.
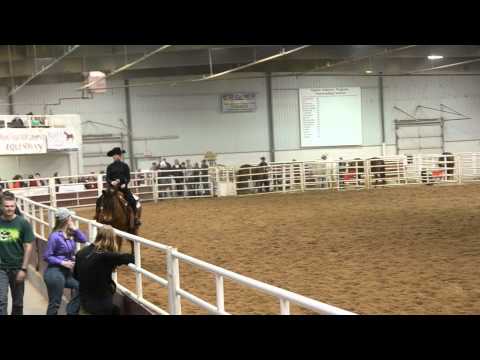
(57, 279)
(8, 279)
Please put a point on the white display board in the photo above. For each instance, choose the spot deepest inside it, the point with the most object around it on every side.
(22, 141)
(62, 139)
(331, 116)
(56, 132)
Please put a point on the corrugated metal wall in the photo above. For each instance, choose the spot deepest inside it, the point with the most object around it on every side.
(461, 93)
(192, 112)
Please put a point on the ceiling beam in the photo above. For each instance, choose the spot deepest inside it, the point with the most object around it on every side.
(35, 74)
(127, 66)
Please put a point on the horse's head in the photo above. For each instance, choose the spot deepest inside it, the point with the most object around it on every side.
(108, 203)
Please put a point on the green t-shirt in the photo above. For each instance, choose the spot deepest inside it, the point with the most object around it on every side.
(13, 234)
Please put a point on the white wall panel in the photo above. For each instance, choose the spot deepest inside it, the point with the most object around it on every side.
(192, 111)
(460, 93)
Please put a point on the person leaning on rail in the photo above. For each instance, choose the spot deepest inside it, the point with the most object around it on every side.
(60, 256)
(16, 236)
(93, 269)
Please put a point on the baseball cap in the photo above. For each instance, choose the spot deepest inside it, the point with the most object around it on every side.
(63, 214)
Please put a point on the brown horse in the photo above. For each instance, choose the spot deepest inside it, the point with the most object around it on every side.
(113, 209)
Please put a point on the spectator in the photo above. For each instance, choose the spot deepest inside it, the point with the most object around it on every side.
(15, 250)
(57, 181)
(164, 164)
(8, 194)
(93, 269)
(204, 178)
(32, 182)
(342, 169)
(18, 183)
(91, 182)
(263, 185)
(165, 178)
(196, 179)
(141, 178)
(189, 178)
(154, 167)
(178, 174)
(60, 256)
(296, 173)
(40, 182)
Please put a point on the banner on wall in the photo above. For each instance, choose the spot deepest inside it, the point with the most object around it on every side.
(239, 102)
(22, 142)
(62, 139)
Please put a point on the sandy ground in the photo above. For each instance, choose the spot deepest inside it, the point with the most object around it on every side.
(407, 250)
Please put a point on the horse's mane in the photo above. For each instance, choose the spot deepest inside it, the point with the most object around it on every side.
(109, 203)
(110, 208)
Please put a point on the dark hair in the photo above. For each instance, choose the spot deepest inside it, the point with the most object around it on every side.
(7, 195)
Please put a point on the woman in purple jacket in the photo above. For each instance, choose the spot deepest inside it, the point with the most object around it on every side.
(60, 256)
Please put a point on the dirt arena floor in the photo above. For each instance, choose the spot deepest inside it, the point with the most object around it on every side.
(406, 250)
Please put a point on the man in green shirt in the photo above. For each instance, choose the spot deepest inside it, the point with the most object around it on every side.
(16, 236)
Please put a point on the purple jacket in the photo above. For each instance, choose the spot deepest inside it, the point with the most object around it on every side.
(60, 249)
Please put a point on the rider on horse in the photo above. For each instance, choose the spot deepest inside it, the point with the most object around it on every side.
(118, 173)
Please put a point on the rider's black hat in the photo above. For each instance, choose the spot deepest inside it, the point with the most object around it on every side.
(115, 151)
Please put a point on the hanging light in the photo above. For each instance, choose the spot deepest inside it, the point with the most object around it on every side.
(370, 67)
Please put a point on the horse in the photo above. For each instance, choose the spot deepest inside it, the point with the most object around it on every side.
(243, 176)
(68, 136)
(377, 168)
(113, 209)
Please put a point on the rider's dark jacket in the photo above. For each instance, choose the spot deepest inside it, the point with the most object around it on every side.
(118, 170)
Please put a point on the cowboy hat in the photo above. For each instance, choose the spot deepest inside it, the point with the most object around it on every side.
(115, 151)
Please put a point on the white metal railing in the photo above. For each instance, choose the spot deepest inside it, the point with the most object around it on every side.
(339, 175)
(42, 219)
(33, 121)
(83, 190)
(351, 174)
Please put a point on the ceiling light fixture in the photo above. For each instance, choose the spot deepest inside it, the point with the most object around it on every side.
(368, 72)
(435, 57)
